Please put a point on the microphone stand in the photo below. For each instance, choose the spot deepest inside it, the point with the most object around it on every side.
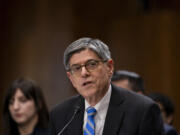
(74, 114)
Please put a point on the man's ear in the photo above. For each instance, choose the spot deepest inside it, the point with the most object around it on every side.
(169, 119)
(69, 75)
(110, 64)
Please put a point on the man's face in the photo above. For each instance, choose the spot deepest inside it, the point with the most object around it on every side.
(122, 83)
(167, 119)
(91, 83)
(125, 84)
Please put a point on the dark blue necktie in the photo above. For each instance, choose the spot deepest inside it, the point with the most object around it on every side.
(90, 125)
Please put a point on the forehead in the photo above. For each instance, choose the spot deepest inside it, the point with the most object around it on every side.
(83, 56)
(18, 93)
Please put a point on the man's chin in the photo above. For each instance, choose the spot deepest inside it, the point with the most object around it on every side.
(89, 93)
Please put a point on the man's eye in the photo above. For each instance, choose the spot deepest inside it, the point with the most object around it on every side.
(93, 63)
(76, 68)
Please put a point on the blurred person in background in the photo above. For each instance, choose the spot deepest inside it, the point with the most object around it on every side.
(128, 80)
(167, 109)
(24, 109)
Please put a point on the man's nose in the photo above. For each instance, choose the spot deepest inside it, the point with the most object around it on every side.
(84, 71)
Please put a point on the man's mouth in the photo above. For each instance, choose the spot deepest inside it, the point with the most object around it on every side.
(86, 83)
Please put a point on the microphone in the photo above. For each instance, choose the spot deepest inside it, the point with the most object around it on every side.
(69, 122)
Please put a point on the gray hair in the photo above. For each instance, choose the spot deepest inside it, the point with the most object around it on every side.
(100, 48)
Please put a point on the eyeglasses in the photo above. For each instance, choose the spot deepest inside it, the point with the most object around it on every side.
(90, 65)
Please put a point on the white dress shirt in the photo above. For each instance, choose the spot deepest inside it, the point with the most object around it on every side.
(101, 108)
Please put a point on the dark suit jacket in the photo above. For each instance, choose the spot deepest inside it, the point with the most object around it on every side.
(128, 114)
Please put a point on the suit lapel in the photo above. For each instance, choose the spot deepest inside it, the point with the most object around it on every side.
(115, 114)
(113, 120)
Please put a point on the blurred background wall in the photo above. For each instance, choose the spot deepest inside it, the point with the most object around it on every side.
(143, 36)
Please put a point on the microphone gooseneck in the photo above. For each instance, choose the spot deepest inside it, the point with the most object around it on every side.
(74, 114)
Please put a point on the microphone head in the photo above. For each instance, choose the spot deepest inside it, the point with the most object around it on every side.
(78, 105)
(77, 108)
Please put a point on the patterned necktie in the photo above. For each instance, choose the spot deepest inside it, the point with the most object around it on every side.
(90, 125)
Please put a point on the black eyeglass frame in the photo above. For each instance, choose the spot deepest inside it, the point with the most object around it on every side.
(86, 64)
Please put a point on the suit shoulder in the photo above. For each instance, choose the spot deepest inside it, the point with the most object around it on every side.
(132, 98)
(66, 105)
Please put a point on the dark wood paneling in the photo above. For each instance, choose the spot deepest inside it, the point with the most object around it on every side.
(34, 35)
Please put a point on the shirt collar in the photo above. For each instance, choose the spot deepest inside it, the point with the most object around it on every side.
(102, 106)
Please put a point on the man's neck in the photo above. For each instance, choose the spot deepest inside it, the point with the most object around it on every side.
(94, 100)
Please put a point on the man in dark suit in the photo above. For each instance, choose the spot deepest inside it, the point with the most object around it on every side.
(100, 108)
